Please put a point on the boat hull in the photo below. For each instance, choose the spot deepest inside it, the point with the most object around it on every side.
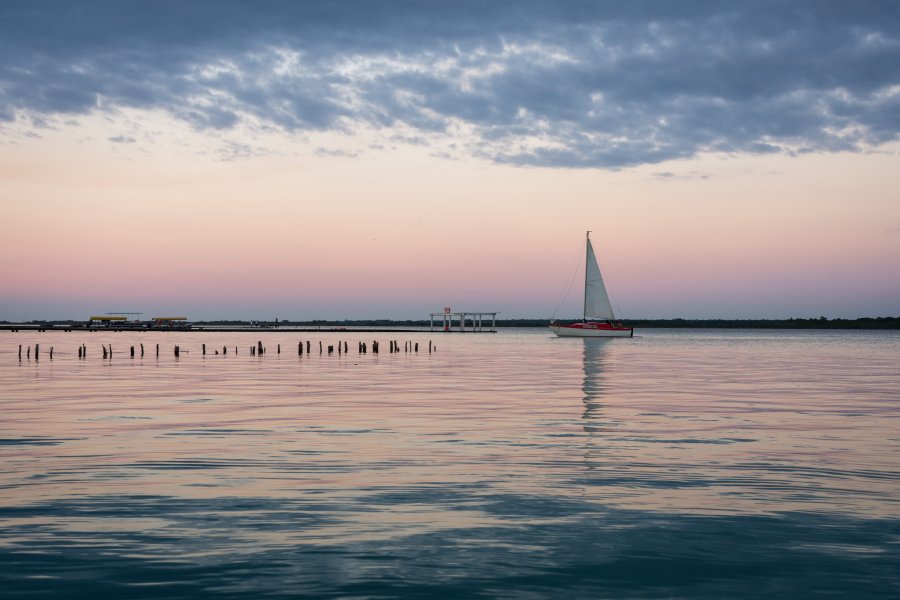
(590, 329)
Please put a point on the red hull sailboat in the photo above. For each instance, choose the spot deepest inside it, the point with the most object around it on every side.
(599, 320)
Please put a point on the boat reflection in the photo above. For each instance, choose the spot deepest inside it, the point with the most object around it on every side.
(595, 419)
(594, 385)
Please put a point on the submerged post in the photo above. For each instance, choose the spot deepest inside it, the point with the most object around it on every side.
(204, 349)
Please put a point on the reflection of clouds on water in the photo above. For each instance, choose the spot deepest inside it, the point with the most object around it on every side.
(546, 545)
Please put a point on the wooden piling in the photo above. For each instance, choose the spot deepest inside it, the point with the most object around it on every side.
(299, 348)
(224, 350)
(157, 351)
(20, 351)
(345, 347)
(142, 351)
(320, 346)
(104, 351)
(429, 346)
(132, 352)
(37, 349)
(279, 349)
(177, 351)
(51, 352)
(307, 346)
(204, 349)
(79, 351)
(330, 349)
(259, 347)
(417, 346)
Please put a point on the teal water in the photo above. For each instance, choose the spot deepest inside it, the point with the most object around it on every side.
(515, 465)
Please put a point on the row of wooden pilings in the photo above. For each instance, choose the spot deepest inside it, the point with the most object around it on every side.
(257, 350)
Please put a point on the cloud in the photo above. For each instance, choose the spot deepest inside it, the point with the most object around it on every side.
(122, 139)
(339, 153)
(691, 176)
(571, 84)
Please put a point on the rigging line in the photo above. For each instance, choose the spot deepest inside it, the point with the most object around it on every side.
(571, 281)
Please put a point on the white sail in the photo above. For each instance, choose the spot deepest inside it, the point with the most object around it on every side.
(596, 300)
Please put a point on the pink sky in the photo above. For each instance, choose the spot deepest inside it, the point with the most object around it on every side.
(92, 228)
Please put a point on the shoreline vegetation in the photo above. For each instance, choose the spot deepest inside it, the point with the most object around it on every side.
(792, 323)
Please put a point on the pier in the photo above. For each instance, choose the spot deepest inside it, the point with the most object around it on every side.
(477, 319)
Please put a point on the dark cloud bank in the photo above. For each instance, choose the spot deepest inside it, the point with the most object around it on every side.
(573, 84)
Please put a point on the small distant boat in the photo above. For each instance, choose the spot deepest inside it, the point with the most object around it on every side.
(599, 320)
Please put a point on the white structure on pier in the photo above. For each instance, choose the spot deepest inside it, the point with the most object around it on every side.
(462, 318)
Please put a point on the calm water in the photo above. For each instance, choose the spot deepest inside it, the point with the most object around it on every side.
(676, 464)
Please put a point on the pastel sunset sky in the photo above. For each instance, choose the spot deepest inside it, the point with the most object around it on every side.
(361, 159)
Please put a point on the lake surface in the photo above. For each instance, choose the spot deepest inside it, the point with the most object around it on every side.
(680, 463)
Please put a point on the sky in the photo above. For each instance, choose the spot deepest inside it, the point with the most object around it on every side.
(359, 159)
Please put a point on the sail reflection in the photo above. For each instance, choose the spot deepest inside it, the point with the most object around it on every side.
(594, 384)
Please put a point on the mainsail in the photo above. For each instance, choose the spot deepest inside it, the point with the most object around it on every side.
(596, 300)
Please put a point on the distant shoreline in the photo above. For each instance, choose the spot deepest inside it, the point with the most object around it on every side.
(424, 325)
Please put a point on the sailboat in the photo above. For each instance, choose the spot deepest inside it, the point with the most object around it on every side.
(599, 320)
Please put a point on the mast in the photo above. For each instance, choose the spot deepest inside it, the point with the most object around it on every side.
(587, 247)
